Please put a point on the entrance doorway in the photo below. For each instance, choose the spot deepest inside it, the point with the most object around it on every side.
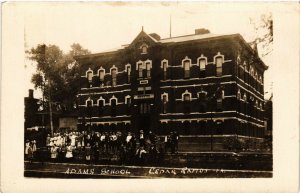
(144, 122)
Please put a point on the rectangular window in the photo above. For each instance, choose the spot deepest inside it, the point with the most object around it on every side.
(148, 68)
(90, 76)
(186, 97)
(186, 69)
(145, 108)
(128, 101)
(113, 107)
(164, 104)
(186, 103)
(89, 103)
(219, 103)
(101, 105)
(141, 108)
(114, 77)
(165, 70)
(202, 64)
(101, 75)
(89, 108)
(140, 68)
(128, 74)
(219, 62)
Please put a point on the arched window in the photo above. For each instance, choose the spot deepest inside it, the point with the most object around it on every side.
(186, 66)
(114, 77)
(144, 49)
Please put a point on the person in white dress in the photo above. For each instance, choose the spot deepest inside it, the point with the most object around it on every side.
(69, 153)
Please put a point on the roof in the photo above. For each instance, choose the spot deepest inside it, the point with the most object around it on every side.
(163, 41)
(190, 37)
(177, 39)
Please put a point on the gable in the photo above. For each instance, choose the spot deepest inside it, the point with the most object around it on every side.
(142, 39)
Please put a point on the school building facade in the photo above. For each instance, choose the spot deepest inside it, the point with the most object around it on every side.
(199, 84)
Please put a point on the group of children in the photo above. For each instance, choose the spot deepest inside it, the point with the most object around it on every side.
(88, 146)
(30, 149)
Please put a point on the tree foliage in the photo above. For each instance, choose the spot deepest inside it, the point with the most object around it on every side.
(264, 33)
(57, 74)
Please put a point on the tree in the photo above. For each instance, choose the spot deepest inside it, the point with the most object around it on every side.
(264, 33)
(57, 75)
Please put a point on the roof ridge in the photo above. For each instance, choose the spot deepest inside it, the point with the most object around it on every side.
(182, 36)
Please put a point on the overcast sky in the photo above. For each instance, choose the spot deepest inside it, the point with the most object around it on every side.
(103, 26)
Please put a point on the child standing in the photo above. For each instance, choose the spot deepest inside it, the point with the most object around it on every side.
(88, 153)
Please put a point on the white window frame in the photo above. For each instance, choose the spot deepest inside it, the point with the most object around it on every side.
(245, 97)
(89, 99)
(186, 92)
(239, 94)
(148, 63)
(113, 98)
(89, 70)
(219, 55)
(198, 62)
(113, 67)
(162, 64)
(86, 74)
(126, 68)
(164, 94)
(190, 64)
(126, 97)
(98, 72)
(138, 63)
(186, 59)
(100, 99)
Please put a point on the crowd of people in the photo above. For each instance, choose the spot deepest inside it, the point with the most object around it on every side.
(92, 147)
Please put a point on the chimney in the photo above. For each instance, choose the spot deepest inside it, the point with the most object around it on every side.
(155, 36)
(201, 31)
(30, 93)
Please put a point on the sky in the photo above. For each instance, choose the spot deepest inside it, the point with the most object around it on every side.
(103, 26)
